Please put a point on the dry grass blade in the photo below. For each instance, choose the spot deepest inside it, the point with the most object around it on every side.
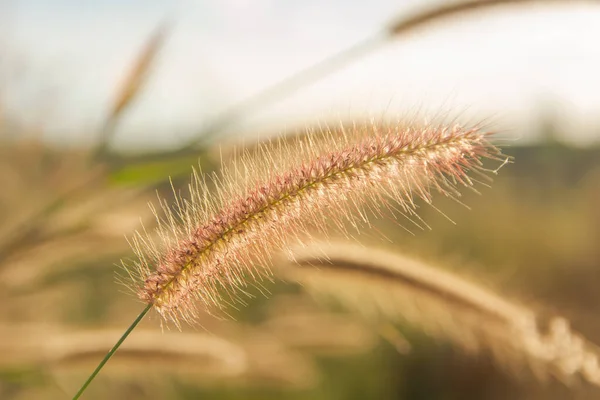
(132, 85)
(445, 306)
(241, 357)
(201, 354)
(281, 89)
(454, 8)
(60, 222)
(39, 182)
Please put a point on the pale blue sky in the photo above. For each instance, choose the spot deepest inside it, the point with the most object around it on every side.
(67, 57)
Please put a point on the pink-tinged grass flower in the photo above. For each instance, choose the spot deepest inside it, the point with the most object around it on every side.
(225, 235)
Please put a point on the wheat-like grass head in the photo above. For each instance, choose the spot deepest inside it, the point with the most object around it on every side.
(226, 233)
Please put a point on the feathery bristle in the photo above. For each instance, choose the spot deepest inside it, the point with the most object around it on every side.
(376, 281)
(265, 203)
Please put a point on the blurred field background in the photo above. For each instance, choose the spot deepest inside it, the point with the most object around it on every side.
(65, 209)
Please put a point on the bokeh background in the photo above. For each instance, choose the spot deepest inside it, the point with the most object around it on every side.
(102, 102)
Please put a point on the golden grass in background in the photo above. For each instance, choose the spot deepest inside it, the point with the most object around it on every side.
(63, 215)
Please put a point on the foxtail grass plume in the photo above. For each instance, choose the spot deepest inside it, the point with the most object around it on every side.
(211, 244)
(377, 282)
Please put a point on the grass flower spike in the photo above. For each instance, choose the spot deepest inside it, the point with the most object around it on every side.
(381, 283)
(211, 244)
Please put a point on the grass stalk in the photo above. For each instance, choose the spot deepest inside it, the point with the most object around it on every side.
(112, 351)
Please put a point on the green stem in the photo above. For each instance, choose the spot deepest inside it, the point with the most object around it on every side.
(112, 351)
